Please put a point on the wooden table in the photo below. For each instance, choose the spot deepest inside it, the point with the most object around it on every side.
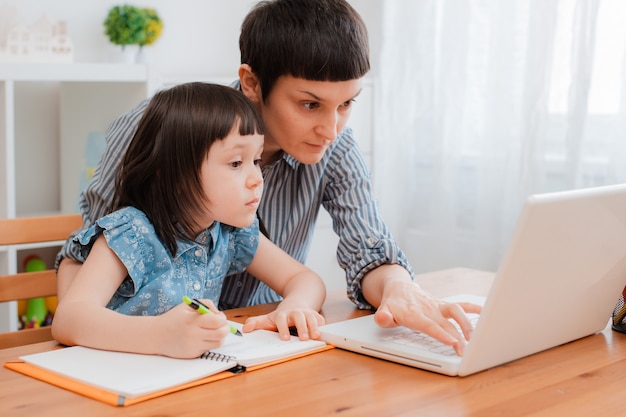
(583, 378)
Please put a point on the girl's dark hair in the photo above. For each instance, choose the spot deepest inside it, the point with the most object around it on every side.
(160, 172)
(318, 40)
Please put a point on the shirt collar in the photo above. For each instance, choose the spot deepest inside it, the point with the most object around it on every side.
(289, 160)
(207, 238)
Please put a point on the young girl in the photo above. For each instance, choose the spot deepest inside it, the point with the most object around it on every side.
(185, 218)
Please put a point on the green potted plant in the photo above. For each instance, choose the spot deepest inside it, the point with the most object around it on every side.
(124, 25)
(152, 27)
(129, 25)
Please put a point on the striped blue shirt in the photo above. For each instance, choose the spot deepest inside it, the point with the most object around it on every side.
(292, 197)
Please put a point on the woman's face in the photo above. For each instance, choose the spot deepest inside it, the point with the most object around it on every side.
(302, 117)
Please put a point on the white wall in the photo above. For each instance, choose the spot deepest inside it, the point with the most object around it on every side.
(200, 37)
(200, 41)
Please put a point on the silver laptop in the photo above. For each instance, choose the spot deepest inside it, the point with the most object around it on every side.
(559, 281)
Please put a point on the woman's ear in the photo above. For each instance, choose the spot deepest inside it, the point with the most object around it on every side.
(250, 85)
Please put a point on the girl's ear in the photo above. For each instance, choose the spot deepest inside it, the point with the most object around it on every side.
(250, 85)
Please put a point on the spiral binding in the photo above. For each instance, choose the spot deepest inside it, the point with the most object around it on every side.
(219, 357)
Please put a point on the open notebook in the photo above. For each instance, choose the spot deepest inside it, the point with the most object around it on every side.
(120, 378)
(559, 281)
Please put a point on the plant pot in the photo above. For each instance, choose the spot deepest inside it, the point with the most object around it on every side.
(124, 55)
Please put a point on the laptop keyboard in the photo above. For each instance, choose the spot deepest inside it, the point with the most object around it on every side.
(423, 341)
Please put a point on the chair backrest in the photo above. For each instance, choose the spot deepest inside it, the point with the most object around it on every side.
(27, 285)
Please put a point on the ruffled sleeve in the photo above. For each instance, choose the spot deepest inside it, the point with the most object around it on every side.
(131, 236)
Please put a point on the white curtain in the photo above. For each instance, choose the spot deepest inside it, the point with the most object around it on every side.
(482, 102)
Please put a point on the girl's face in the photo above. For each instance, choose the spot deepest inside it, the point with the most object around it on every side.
(304, 117)
(232, 180)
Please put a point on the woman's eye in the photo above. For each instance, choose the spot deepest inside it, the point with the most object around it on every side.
(311, 105)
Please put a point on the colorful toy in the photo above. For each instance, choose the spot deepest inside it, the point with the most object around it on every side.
(36, 310)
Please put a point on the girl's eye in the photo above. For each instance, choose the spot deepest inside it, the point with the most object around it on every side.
(257, 162)
(311, 105)
(236, 164)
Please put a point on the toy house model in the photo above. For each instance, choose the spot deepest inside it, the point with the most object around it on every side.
(43, 41)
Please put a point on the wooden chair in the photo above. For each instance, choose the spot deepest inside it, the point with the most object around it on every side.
(26, 285)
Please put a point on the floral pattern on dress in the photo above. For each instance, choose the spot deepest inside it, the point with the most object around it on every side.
(156, 281)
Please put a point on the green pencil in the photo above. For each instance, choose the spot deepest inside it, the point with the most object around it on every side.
(202, 309)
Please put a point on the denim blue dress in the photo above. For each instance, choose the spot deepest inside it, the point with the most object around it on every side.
(156, 281)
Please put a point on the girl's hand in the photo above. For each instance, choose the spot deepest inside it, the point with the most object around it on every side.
(305, 320)
(183, 333)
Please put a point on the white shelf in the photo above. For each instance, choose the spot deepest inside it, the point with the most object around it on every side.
(83, 72)
(47, 111)
(51, 244)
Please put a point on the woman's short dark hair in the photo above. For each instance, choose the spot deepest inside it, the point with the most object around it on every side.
(160, 172)
(319, 40)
